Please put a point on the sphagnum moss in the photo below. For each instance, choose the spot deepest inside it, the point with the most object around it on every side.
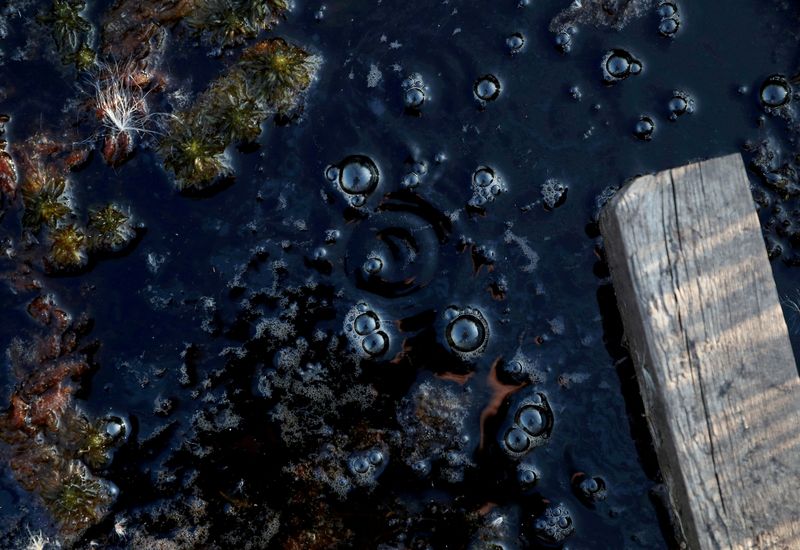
(270, 78)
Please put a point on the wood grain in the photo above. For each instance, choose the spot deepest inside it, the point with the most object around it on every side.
(712, 353)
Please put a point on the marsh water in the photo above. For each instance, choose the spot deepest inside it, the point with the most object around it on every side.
(533, 273)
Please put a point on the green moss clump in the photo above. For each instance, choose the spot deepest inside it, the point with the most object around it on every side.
(68, 248)
(269, 78)
(278, 72)
(109, 229)
(82, 499)
(71, 32)
(225, 23)
(44, 201)
(193, 154)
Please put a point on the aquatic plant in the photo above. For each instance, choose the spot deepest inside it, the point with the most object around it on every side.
(225, 23)
(70, 30)
(81, 497)
(270, 77)
(44, 201)
(235, 113)
(109, 228)
(278, 72)
(68, 248)
(195, 156)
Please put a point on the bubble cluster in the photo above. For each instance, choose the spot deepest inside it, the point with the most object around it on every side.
(364, 329)
(670, 19)
(528, 424)
(554, 525)
(563, 38)
(366, 466)
(414, 93)
(680, 104)
(644, 128)
(487, 184)
(554, 193)
(486, 89)
(775, 92)
(357, 176)
(618, 65)
(467, 331)
(417, 169)
(515, 42)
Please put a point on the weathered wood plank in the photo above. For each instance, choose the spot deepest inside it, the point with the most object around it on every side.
(712, 352)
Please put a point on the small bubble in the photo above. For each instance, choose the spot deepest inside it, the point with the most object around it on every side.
(619, 65)
(420, 167)
(359, 465)
(680, 104)
(358, 175)
(332, 173)
(466, 333)
(373, 266)
(411, 180)
(483, 176)
(451, 313)
(589, 489)
(375, 344)
(487, 88)
(515, 42)
(422, 467)
(775, 91)
(527, 476)
(667, 9)
(440, 158)
(516, 440)
(375, 457)
(358, 200)
(532, 420)
(575, 93)
(414, 98)
(668, 27)
(563, 41)
(366, 323)
(644, 128)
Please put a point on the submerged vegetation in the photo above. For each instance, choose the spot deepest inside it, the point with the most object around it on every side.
(269, 79)
(71, 32)
(224, 23)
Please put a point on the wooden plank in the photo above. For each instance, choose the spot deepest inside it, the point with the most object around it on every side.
(712, 352)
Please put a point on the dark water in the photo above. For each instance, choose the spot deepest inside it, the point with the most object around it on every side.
(558, 311)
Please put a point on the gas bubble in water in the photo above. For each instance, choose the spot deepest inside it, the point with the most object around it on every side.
(358, 175)
(414, 98)
(483, 176)
(515, 42)
(775, 91)
(487, 88)
(644, 128)
(359, 465)
(516, 440)
(375, 344)
(373, 265)
(466, 333)
(366, 323)
(667, 9)
(411, 180)
(532, 420)
(668, 27)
